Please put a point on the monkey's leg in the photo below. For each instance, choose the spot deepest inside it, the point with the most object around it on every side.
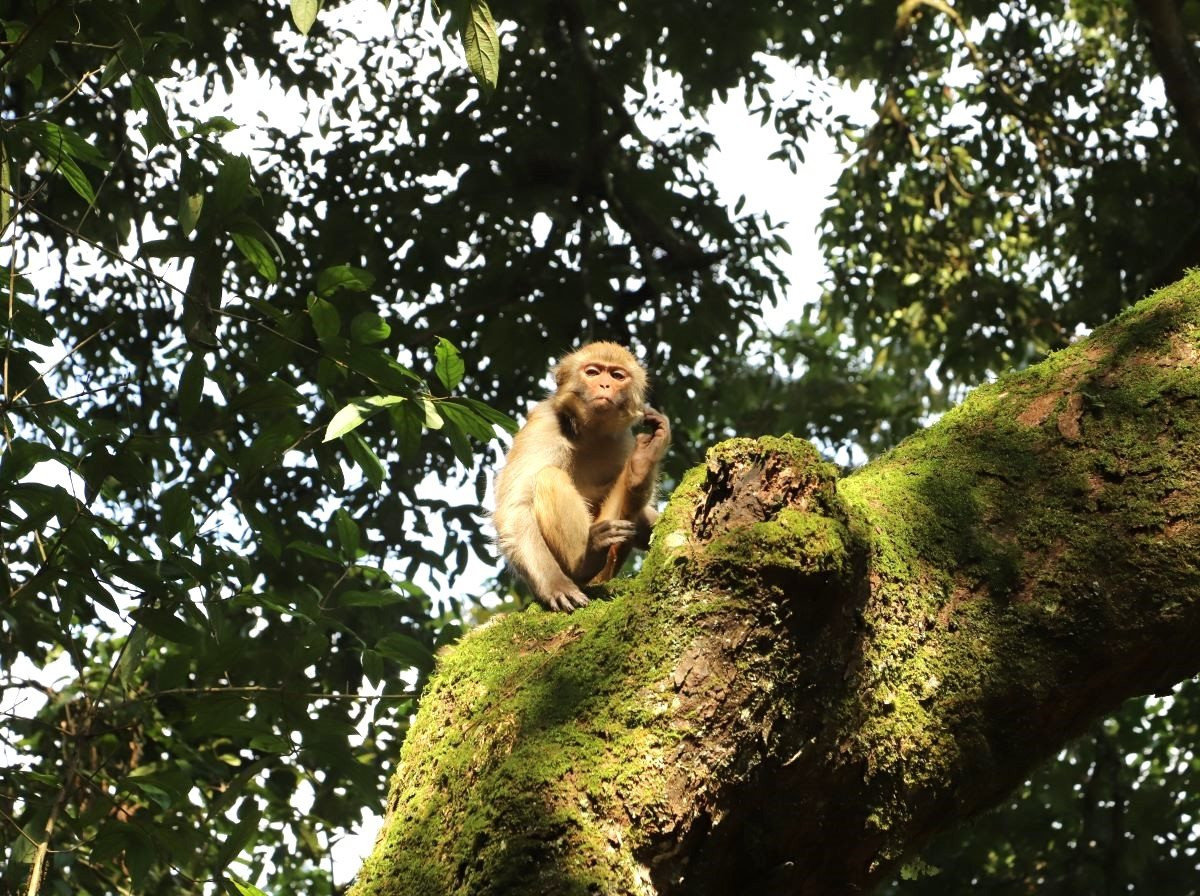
(562, 517)
(580, 546)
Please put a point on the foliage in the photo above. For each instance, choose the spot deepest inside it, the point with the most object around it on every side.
(236, 366)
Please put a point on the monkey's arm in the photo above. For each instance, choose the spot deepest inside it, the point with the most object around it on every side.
(632, 497)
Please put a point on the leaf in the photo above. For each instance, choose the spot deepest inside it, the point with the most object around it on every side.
(190, 206)
(369, 598)
(449, 366)
(472, 423)
(269, 395)
(66, 140)
(366, 459)
(271, 743)
(30, 323)
(29, 48)
(256, 253)
(482, 46)
(145, 96)
(372, 664)
(304, 13)
(191, 386)
(246, 889)
(347, 419)
(352, 415)
(231, 187)
(244, 833)
(176, 513)
(348, 534)
(458, 442)
(325, 319)
(491, 415)
(74, 176)
(432, 420)
(315, 550)
(166, 625)
(368, 328)
(344, 276)
(406, 650)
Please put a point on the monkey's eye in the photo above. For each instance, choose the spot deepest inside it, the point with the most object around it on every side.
(617, 373)
(591, 370)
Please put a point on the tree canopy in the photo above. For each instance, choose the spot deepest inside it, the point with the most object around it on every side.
(236, 375)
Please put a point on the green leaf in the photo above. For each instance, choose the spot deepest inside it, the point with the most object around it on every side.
(368, 328)
(244, 834)
(352, 415)
(218, 124)
(482, 46)
(30, 323)
(458, 442)
(74, 176)
(191, 386)
(449, 365)
(271, 395)
(325, 319)
(246, 889)
(190, 206)
(432, 419)
(406, 650)
(67, 141)
(366, 459)
(256, 253)
(232, 186)
(176, 512)
(491, 415)
(348, 534)
(344, 276)
(304, 13)
(372, 664)
(348, 419)
(271, 743)
(471, 422)
(370, 598)
(166, 625)
(145, 96)
(315, 550)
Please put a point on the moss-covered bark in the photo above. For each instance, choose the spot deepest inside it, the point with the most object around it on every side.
(809, 677)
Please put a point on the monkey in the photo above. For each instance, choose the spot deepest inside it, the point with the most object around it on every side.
(576, 491)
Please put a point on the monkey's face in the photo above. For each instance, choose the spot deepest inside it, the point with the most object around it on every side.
(601, 385)
(606, 387)
(606, 395)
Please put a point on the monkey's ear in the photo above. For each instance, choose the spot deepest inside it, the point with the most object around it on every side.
(562, 372)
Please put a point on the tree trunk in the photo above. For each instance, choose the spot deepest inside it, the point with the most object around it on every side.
(809, 677)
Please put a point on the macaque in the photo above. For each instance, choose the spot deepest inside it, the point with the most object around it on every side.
(575, 493)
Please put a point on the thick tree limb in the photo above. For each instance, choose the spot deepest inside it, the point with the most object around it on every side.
(809, 678)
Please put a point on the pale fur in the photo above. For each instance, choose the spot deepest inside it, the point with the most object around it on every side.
(560, 474)
(591, 465)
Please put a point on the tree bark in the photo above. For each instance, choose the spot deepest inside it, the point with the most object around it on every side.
(809, 677)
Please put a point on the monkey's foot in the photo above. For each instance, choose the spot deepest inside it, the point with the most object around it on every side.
(564, 601)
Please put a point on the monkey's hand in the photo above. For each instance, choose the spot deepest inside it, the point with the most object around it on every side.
(603, 535)
(649, 448)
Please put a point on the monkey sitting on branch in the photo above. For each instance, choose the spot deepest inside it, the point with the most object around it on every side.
(575, 493)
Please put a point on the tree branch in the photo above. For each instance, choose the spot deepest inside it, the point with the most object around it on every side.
(810, 677)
